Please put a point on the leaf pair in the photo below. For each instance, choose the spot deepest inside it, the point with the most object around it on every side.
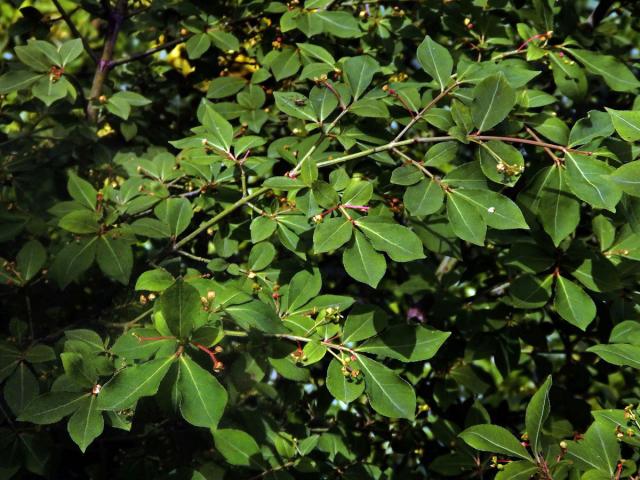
(471, 211)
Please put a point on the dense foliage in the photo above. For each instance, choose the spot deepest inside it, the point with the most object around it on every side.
(319, 239)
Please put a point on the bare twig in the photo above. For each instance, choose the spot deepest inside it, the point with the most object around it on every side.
(140, 56)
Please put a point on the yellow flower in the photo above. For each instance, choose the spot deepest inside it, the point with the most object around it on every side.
(106, 130)
(178, 62)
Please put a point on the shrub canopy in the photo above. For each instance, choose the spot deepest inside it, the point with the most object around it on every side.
(320, 239)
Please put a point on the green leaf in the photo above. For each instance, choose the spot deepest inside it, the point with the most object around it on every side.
(80, 221)
(359, 72)
(222, 87)
(115, 258)
(51, 407)
(304, 286)
(30, 259)
(362, 262)
(400, 243)
(339, 24)
(599, 449)
(286, 64)
(529, 291)
(176, 212)
(331, 234)
(595, 125)
(626, 123)
(34, 56)
(621, 354)
(568, 76)
(363, 322)
(295, 104)
(313, 352)
(555, 205)
(133, 383)
(202, 398)
(615, 73)
(86, 424)
(551, 127)
(261, 256)
(262, 228)
(20, 388)
(536, 415)
(467, 175)
(15, 80)
(573, 304)
(50, 91)
(197, 45)
(324, 194)
(388, 394)
(73, 260)
(316, 53)
(493, 99)
(521, 470)
(466, 220)
(155, 280)
(627, 177)
(70, 50)
(89, 338)
(436, 61)
(494, 439)
(370, 108)
(181, 308)
(78, 370)
(324, 102)
(130, 347)
(501, 163)
(497, 210)
(256, 315)
(627, 331)
(150, 227)
(590, 180)
(238, 448)
(406, 343)
(40, 354)
(343, 387)
(357, 193)
(225, 41)
(406, 175)
(284, 183)
(219, 131)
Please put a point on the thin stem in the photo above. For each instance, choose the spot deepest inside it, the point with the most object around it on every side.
(151, 51)
(117, 16)
(193, 257)
(212, 221)
(27, 300)
(429, 106)
(527, 141)
(415, 163)
(235, 333)
(272, 470)
(371, 151)
(294, 338)
(553, 156)
(74, 30)
(331, 126)
(258, 210)
(127, 325)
